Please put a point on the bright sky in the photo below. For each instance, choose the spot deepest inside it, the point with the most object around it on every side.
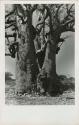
(65, 60)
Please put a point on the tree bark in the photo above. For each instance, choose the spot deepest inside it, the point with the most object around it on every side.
(48, 72)
(26, 66)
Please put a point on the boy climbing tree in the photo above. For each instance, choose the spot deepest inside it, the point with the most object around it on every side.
(41, 22)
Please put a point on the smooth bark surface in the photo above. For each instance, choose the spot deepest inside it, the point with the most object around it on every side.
(48, 72)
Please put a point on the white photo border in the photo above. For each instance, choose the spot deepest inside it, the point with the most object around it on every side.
(38, 115)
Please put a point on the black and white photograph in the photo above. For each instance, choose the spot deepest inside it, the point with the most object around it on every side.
(40, 54)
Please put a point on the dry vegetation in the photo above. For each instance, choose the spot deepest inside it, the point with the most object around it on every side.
(67, 96)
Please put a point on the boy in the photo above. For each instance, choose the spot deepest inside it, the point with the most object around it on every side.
(41, 22)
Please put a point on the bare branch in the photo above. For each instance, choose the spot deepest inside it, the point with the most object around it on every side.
(9, 14)
(7, 54)
(57, 13)
(13, 24)
(67, 22)
(10, 35)
(65, 28)
(70, 29)
(10, 21)
(69, 12)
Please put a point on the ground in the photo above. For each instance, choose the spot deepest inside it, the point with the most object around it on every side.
(66, 98)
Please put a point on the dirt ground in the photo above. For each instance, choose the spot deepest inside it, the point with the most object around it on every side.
(66, 98)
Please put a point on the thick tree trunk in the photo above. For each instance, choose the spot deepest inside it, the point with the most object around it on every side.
(48, 72)
(26, 67)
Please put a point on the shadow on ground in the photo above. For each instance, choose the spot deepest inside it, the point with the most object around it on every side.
(65, 97)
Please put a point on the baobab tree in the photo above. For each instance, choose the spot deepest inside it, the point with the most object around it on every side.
(19, 20)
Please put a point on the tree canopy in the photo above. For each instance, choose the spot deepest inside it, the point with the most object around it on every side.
(62, 19)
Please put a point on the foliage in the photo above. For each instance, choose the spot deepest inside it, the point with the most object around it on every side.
(66, 83)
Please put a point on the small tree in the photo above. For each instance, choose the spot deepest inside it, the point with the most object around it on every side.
(62, 19)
